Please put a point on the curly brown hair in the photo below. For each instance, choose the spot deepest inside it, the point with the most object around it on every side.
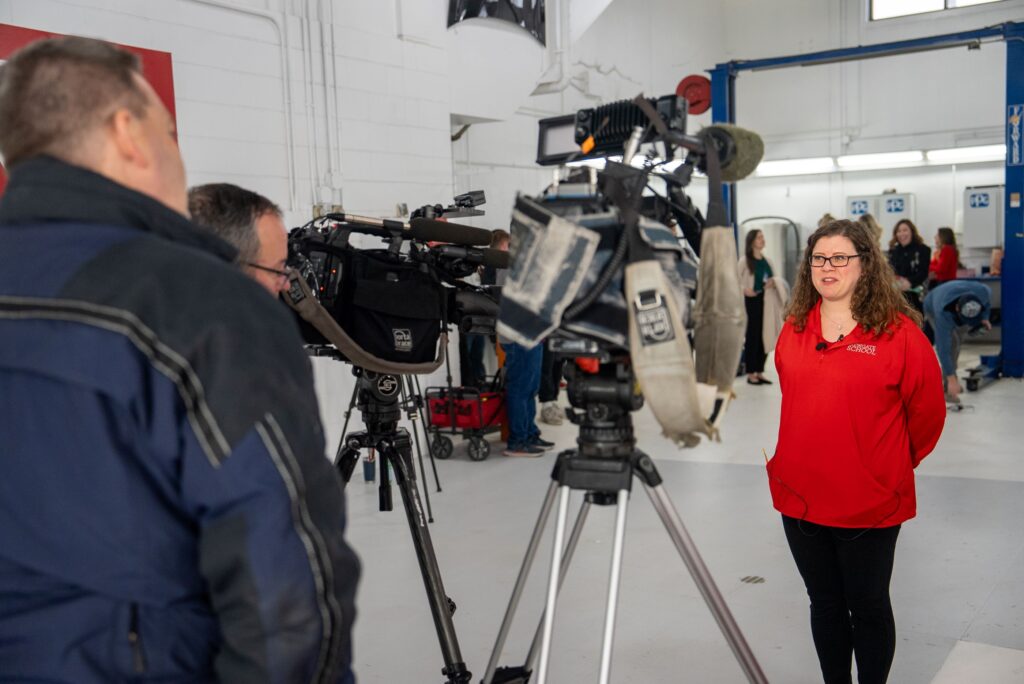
(876, 303)
(915, 236)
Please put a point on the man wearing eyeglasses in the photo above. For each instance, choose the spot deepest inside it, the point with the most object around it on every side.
(251, 223)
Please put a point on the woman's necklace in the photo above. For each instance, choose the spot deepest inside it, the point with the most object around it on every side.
(839, 326)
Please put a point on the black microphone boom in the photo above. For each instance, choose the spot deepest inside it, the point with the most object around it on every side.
(427, 230)
(432, 230)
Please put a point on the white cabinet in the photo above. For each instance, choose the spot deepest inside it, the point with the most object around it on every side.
(983, 216)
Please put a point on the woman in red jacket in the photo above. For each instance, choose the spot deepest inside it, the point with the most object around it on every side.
(862, 405)
(944, 264)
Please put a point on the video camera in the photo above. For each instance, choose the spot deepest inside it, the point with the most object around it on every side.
(599, 267)
(388, 309)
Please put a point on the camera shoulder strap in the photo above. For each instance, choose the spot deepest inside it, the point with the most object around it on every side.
(658, 346)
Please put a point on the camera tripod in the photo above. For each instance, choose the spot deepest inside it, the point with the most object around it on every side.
(377, 397)
(415, 412)
(604, 467)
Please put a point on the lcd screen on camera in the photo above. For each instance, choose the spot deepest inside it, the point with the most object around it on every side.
(556, 143)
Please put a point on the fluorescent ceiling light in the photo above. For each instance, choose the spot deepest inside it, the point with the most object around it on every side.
(886, 9)
(968, 3)
(964, 155)
(796, 167)
(882, 160)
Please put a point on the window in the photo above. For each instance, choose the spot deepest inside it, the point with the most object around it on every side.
(887, 9)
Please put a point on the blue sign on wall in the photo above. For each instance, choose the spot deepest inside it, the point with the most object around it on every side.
(858, 207)
(978, 200)
(894, 206)
(1014, 121)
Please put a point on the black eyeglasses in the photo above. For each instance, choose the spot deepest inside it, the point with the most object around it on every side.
(278, 273)
(836, 260)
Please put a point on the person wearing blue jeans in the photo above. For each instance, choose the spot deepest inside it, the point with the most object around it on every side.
(953, 308)
(522, 382)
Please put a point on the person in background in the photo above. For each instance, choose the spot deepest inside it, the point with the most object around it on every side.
(249, 222)
(945, 259)
(167, 511)
(755, 276)
(954, 309)
(862, 405)
(909, 258)
(550, 382)
(477, 344)
(826, 219)
(522, 384)
(874, 229)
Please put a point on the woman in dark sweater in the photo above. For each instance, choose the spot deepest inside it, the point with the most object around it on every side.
(909, 257)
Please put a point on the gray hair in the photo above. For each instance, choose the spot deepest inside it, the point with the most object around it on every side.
(231, 213)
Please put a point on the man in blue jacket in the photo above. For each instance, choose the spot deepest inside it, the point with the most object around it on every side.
(166, 509)
(954, 308)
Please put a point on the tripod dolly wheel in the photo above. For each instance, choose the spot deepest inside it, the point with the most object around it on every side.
(441, 447)
(479, 448)
(972, 384)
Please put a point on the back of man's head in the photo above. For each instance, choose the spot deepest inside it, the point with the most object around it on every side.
(250, 222)
(54, 94)
(85, 102)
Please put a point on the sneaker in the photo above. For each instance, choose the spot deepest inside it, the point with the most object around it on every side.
(524, 451)
(552, 414)
(541, 443)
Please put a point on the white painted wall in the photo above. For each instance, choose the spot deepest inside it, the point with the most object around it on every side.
(361, 116)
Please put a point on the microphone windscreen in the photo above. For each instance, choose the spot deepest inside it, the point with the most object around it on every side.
(749, 151)
(431, 230)
(497, 258)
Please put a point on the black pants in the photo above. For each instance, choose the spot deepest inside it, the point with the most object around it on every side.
(550, 376)
(753, 349)
(847, 573)
(914, 299)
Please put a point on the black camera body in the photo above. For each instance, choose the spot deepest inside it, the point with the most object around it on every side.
(393, 302)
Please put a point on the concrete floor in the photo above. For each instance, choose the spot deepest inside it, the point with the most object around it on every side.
(957, 587)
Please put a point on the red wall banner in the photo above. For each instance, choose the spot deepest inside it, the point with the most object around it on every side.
(156, 66)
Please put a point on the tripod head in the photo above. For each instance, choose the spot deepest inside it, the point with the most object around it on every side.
(377, 398)
(603, 401)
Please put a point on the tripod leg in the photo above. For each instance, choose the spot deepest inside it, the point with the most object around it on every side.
(517, 590)
(706, 583)
(411, 415)
(426, 437)
(613, 586)
(556, 562)
(570, 549)
(455, 668)
(344, 428)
